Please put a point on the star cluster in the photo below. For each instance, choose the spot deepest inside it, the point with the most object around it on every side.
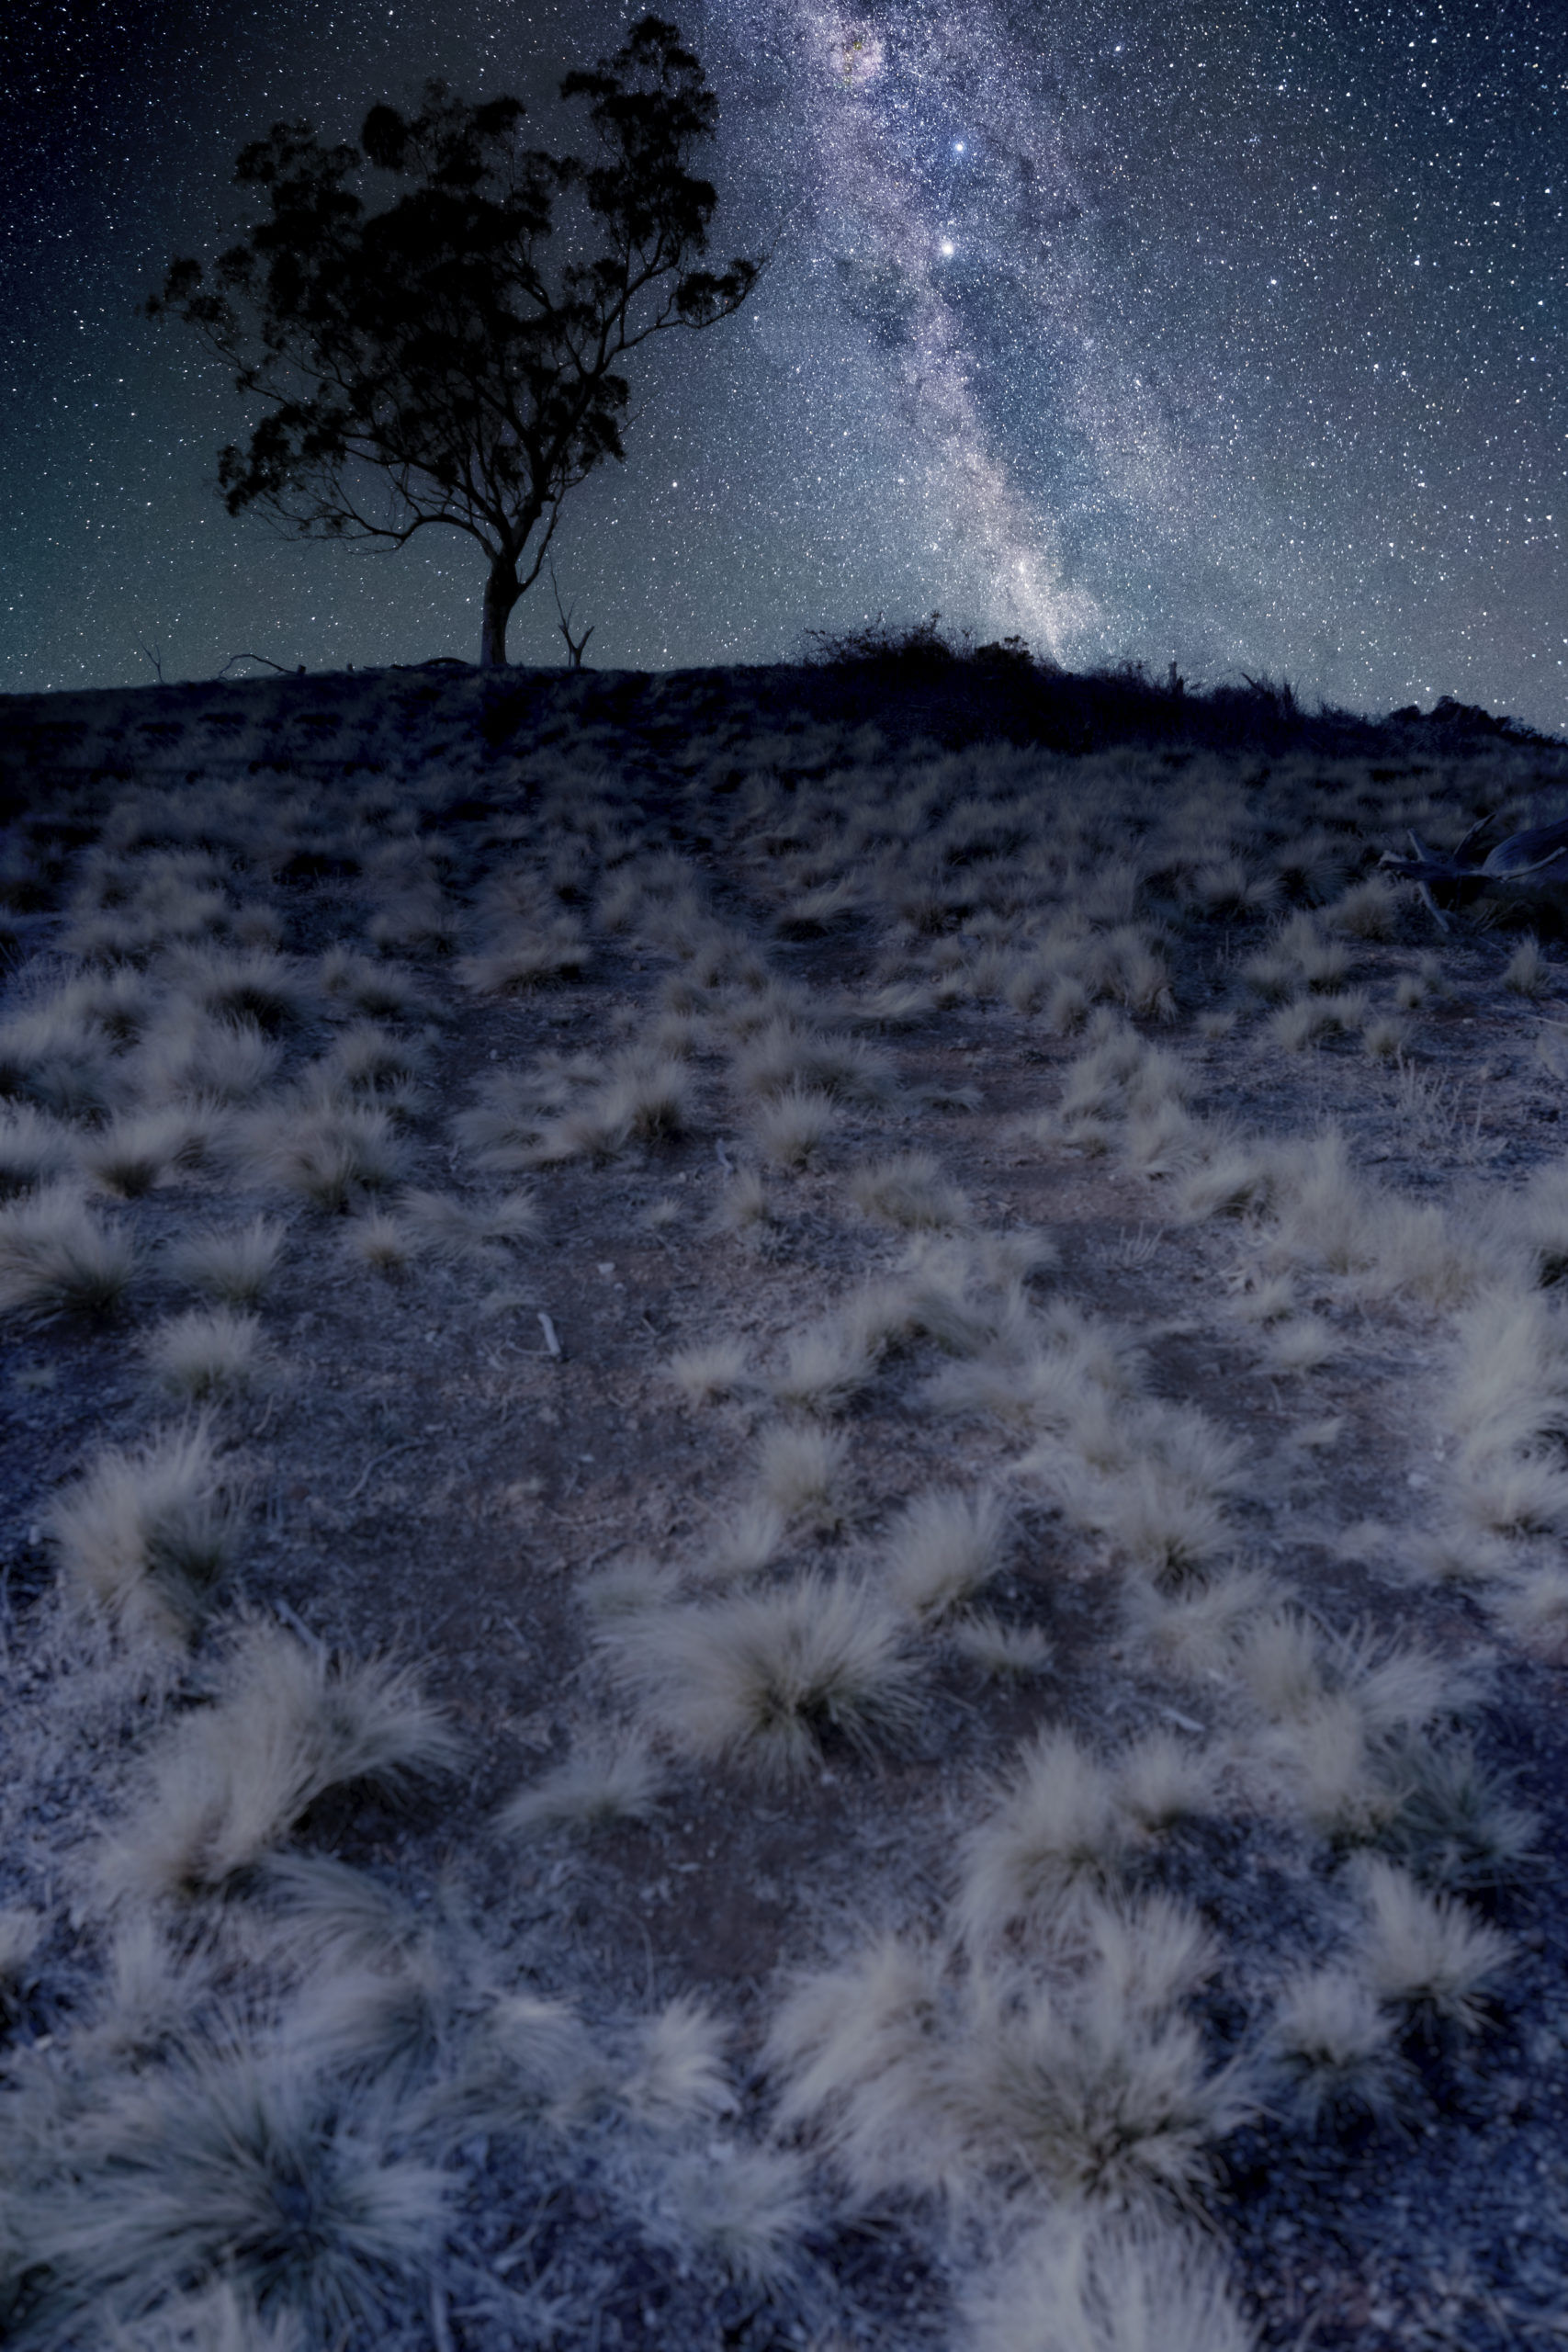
(1187, 332)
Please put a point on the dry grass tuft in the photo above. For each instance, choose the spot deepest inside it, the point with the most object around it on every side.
(234, 2167)
(147, 1535)
(1083, 2283)
(57, 1258)
(232, 1264)
(1058, 1828)
(1427, 1953)
(788, 1127)
(764, 1677)
(611, 1780)
(1336, 2049)
(329, 1153)
(205, 1351)
(232, 1781)
(802, 1474)
(911, 1193)
(944, 1550)
(716, 1368)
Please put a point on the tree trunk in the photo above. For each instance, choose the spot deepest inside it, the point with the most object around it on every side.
(501, 592)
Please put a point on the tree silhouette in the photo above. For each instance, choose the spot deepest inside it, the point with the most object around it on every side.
(434, 361)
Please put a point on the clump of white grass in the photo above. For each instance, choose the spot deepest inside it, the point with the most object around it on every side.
(1334, 2046)
(1196, 1632)
(860, 2054)
(763, 1678)
(825, 1365)
(1161, 1779)
(441, 1225)
(715, 1368)
(148, 1534)
(1535, 1608)
(787, 1128)
(1083, 2283)
(943, 1549)
(329, 1153)
(1100, 2086)
(205, 1351)
(232, 1264)
(130, 1155)
(384, 990)
(603, 1781)
(679, 2072)
(232, 1781)
(559, 954)
(1384, 1038)
(1454, 1823)
(745, 2208)
(379, 1240)
(910, 1191)
(1302, 1023)
(744, 1545)
(1507, 1404)
(22, 1932)
(58, 1258)
(367, 1057)
(743, 1206)
(1530, 972)
(230, 2166)
(1299, 957)
(1058, 1828)
(1427, 1953)
(781, 1058)
(999, 1652)
(802, 1470)
(1369, 910)
(266, 989)
(33, 1148)
(191, 1056)
(1326, 1215)
(1303, 1343)
(1150, 1481)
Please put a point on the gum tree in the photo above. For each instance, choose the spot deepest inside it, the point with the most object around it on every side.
(454, 356)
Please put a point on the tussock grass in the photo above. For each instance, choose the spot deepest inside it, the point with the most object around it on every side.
(58, 1258)
(714, 1368)
(234, 1264)
(787, 1128)
(1427, 1953)
(1058, 1828)
(232, 1780)
(207, 1352)
(195, 1056)
(825, 1366)
(442, 1226)
(802, 1474)
(1083, 2283)
(1336, 2049)
(598, 1784)
(34, 1149)
(230, 2166)
(148, 1534)
(328, 1153)
(943, 1549)
(134, 1151)
(910, 1191)
(1000, 1652)
(762, 1678)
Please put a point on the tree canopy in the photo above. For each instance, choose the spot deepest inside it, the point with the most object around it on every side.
(453, 358)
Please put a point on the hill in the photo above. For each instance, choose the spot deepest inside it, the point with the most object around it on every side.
(787, 1479)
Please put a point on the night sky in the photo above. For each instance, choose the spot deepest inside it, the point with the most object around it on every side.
(1227, 334)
